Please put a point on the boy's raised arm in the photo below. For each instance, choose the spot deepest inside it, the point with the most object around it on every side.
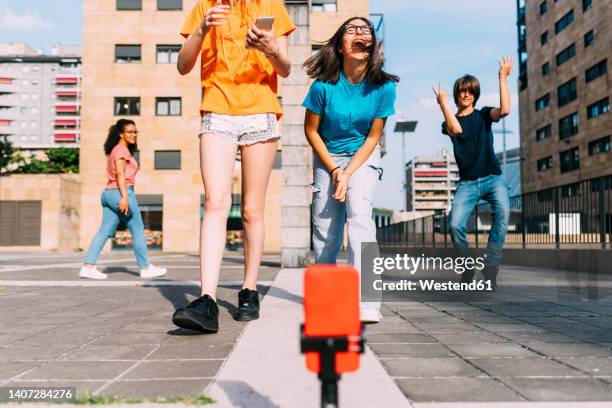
(452, 124)
(505, 69)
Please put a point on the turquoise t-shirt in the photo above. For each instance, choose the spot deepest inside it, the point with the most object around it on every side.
(347, 110)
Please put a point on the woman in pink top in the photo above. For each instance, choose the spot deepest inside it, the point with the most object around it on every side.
(119, 202)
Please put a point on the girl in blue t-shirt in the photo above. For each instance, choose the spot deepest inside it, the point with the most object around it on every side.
(346, 109)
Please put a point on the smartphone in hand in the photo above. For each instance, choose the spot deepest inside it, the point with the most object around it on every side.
(265, 23)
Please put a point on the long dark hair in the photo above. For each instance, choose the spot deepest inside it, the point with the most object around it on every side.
(114, 135)
(327, 63)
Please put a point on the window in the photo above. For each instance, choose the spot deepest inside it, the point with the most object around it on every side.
(570, 190)
(25, 96)
(129, 4)
(127, 54)
(568, 126)
(587, 4)
(34, 111)
(545, 69)
(315, 49)
(599, 146)
(329, 6)
(35, 82)
(167, 160)
(544, 38)
(567, 93)
(168, 106)
(598, 108)
(33, 124)
(167, 54)
(564, 21)
(597, 70)
(543, 8)
(545, 163)
(570, 160)
(543, 133)
(589, 39)
(566, 54)
(542, 102)
(34, 96)
(25, 82)
(127, 106)
(169, 4)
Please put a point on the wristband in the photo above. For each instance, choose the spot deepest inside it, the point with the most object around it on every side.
(334, 169)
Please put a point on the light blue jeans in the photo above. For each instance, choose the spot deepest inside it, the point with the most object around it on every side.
(329, 215)
(494, 190)
(111, 217)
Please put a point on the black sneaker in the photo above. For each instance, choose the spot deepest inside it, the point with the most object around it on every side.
(467, 276)
(248, 305)
(490, 274)
(200, 315)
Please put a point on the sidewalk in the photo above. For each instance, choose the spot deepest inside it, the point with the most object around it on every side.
(537, 342)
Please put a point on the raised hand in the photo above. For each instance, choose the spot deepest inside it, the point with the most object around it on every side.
(441, 95)
(505, 65)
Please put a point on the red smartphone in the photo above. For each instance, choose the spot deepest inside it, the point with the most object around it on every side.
(331, 308)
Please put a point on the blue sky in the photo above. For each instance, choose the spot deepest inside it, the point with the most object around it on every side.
(426, 41)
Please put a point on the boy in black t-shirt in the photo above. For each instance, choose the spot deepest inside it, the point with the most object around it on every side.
(479, 170)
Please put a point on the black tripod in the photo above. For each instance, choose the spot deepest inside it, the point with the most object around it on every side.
(327, 347)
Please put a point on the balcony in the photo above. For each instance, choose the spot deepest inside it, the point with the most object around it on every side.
(66, 124)
(65, 137)
(68, 110)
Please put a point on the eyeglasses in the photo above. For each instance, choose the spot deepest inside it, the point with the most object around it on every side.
(352, 29)
(132, 132)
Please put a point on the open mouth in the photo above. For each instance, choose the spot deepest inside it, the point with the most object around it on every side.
(359, 44)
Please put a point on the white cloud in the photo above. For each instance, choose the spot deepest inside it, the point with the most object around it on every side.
(492, 99)
(29, 20)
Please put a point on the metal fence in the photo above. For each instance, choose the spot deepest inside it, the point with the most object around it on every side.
(573, 215)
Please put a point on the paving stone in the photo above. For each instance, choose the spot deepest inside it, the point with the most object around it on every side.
(191, 351)
(535, 337)
(9, 369)
(78, 370)
(468, 338)
(561, 389)
(399, 338)
(398, 327)
(133, 339)
(157, 388)
(448, 328)
(593, 365)
(105, 353)
(411, 350)
(430, 367)
(571, 349)
(524, 367)
(456, 390)
(67, 339)
(520, 327)
(9, 353)
(174, 369)
(491, 350)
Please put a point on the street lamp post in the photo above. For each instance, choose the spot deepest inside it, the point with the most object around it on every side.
(503, 132)
(403, 127)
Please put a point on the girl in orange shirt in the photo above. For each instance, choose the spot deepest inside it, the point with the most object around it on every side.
(239, 67)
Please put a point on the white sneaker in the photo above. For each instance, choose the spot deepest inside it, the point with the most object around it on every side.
(370, 315)
(152, 271)
(91, 273)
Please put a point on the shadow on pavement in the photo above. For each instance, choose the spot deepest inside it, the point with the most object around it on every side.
(240, 392)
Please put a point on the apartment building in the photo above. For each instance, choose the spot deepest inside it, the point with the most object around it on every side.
(431, 182)
(565, 90)
(40, 96)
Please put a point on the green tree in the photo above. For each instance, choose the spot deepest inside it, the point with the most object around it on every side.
(66, 158)
(6, 152)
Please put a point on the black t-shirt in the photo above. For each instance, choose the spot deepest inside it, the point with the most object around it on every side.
(473, 148)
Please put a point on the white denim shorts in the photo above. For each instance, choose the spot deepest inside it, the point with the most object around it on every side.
(242, 129)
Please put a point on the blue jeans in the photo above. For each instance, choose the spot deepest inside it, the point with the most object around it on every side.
(492, 189)
(111, 216)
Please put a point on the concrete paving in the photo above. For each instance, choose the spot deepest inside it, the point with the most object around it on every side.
(544, 339)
